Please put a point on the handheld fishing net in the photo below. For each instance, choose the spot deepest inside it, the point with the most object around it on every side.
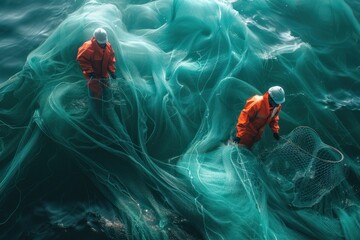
(305, 167)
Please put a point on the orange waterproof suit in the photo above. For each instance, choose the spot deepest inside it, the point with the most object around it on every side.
(253, 118)
(94, 59)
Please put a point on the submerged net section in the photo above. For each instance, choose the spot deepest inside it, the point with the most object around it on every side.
(305, 167)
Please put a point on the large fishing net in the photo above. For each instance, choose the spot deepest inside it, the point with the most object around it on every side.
(305, 167)
(153, 164)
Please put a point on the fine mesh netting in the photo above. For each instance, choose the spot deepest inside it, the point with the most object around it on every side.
(305, 167)
(153, 163)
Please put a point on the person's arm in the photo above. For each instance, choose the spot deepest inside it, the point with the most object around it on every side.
(246, 116)
(274, 123)
(84, 59)
(112, 61)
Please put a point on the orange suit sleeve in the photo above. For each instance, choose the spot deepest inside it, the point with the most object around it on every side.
(84, 59)
(112, 61)
(274, 123)
(246, 116)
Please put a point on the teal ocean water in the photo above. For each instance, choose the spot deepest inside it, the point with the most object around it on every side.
(157, 164)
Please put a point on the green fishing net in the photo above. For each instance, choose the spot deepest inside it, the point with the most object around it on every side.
(305, 167)
(154, 163)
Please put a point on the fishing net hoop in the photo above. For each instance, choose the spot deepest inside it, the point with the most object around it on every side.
(311, 155)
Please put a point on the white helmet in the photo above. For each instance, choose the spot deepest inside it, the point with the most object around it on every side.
(277, 94)
(100, 35)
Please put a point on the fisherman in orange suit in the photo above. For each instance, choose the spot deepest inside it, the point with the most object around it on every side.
(258, 112)
(97, 59)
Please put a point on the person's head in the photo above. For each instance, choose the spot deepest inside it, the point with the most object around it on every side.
(276, 96)
(101, 37)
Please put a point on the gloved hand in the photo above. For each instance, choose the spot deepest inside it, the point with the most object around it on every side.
(91, 75)
(113, 76)
(236, 140)
(276, 136)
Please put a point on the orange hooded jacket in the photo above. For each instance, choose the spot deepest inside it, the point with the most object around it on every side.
(252, 120)
(94, 59)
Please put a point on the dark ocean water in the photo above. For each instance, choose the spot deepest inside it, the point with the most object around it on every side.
(157, 163)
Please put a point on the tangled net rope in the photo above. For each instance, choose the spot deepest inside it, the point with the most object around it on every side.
(305, 167)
